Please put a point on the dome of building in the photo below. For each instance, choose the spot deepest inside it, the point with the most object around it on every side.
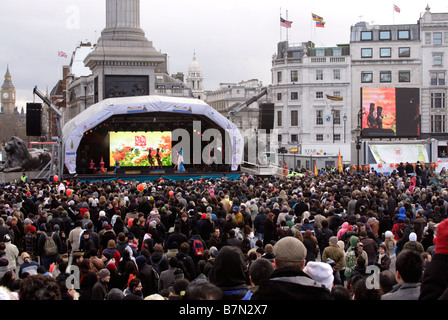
(194, 66)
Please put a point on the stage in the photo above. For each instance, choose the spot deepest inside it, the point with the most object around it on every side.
(154, 175)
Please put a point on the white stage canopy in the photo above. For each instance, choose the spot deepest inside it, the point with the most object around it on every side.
(74, 130)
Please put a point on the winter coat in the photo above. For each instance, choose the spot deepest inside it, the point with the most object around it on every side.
(291, 284)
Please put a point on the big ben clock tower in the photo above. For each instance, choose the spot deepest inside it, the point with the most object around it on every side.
(8, 94)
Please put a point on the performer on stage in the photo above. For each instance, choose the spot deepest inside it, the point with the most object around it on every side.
(158, 159)
(180, 161)
(102, 169)
(150, 159)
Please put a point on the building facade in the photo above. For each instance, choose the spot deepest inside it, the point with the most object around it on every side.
(230, 96)
(434, 89)
(312, 98)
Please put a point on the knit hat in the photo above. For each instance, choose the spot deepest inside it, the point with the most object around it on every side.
(213, 252)
(412, 236)
(114, 294)
(289, 249)
(389, 234)
(442, 238)
(103, 273)
(320, 272)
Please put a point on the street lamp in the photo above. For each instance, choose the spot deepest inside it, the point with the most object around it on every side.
(344, 118)
(357, 133)
(333, 112)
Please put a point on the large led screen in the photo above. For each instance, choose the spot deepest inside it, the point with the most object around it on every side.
(390, 112)
(135, 149)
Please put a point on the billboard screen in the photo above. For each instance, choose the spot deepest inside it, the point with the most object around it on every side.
(135, 149)
(390, 112)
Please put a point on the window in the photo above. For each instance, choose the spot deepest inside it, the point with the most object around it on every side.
(366, 52)
(294, 118)
(320, 52)
(385, 35)
(319, 74)
(438, 123)
(279, 138)
(337, 93)
(437, 59)
(294, 138)
(437, 78)
(294, 76)
(404, 52)
(279, 96)
(337, 74)
(337, 52)
(438, 100)
(366, 35)
(404, 35)
(366, 76)
(385, 52)
(319, 137)
(437, 38)
(337, 137)
(294, 95)
(385, 76)
(336, 116)
(404, 76)
(319, 95)
(279, 76)
(279, 119)
(319, 117)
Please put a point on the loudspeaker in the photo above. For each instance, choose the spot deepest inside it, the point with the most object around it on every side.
(169, 170)
(193, 170)
(266, 116)
(145, 171)
(33, 119)
(121, 171)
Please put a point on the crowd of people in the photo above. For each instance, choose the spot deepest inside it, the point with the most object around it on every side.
(334, 236)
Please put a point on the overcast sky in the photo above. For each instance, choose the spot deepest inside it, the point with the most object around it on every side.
(234, 40)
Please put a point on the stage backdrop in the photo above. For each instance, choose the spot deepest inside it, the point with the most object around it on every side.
(74, 130)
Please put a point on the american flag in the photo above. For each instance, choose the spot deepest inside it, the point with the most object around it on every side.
(396, 8)
(62, 54)
(285, 23)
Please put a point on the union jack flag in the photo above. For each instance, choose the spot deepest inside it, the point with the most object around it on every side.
(62, 54)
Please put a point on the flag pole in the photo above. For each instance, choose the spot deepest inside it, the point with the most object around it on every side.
(287, 28)
(280, 25)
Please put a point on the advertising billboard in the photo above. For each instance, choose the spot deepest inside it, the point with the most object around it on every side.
(390, 112)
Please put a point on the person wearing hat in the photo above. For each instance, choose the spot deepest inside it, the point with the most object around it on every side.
(413, 244)
(100, 288)
(288, 281)
(335, 253)
(12, 252)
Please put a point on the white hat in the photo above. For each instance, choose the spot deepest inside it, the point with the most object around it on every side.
(102, 213)
(389, 234)
(412, 236)
(320, 272)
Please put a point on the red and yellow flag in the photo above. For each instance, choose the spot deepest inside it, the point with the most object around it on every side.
(315, 169)
(340, 167)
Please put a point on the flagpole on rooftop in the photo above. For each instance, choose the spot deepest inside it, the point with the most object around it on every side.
(287, 28)
(280, 25)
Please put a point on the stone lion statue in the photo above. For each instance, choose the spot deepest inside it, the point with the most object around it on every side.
(20, 158)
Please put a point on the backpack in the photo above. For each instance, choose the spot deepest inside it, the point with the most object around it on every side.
(400, 231)
(50, 247)
(198, 247)
(156, 266)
